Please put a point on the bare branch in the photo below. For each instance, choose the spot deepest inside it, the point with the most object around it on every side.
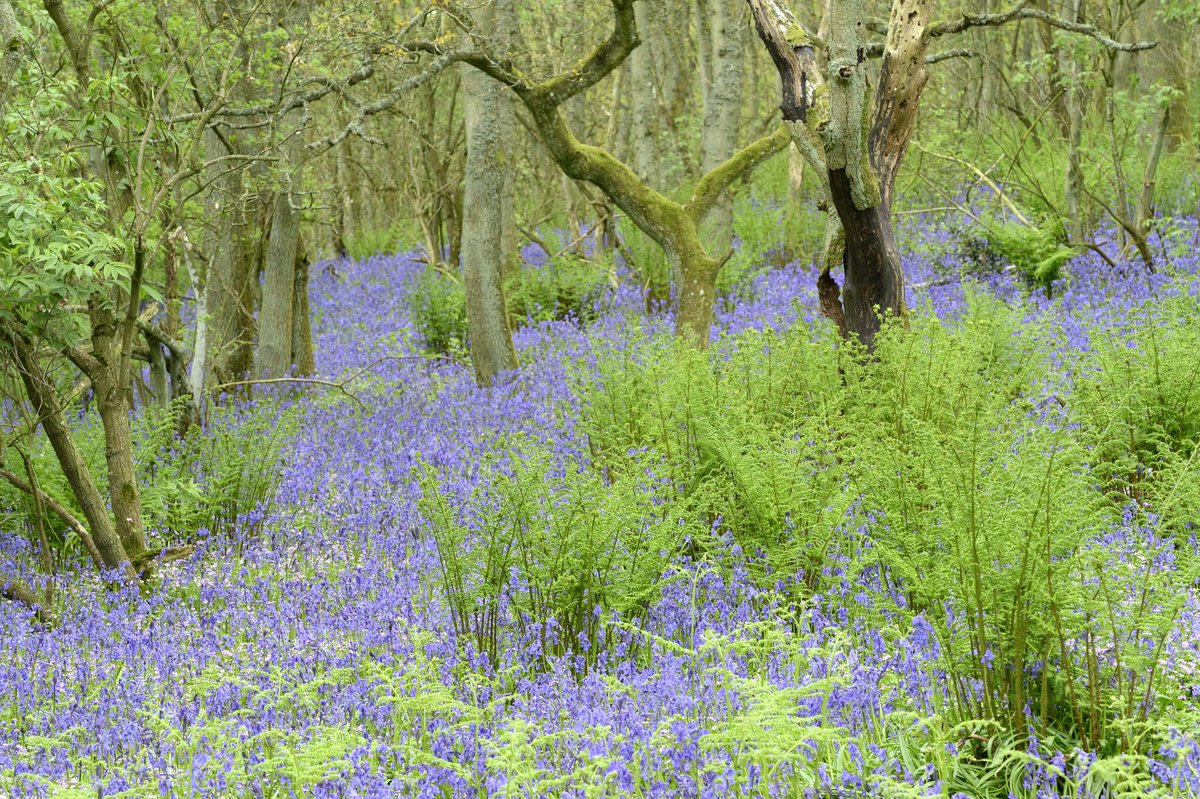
(968, 21)
(355, 126)
(946, 55)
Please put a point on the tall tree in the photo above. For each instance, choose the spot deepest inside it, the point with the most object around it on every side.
(273, 356)
(722, 71)
(674, 225)
(488, 213)
(860, 144)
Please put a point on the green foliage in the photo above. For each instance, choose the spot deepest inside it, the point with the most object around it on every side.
(756, 226)
(54, 246)
(374, 241)
(977, 502)
(1137, 393)
(945, 468)
(556, 549)
(214, 478)
(744, 434)
(1037, 254)
(210, 478)
(439, 311)
(567, 286)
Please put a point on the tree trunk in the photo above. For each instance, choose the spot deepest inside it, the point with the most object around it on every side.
(227, 299)
(10, 47)
(42, 396)
(646, 161)
(697, 281)
(722, 114)
(274, 354)
(874, 281)
(303, 355)
(1144, 218)
(487, 211)
(674, 226)
(118, 451)
(832, 125)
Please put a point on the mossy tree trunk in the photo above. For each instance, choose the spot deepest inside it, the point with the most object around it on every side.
(673, 225)
(487, 204)
(276, 316)
(43, 397)
(857, 148)
(861, 147)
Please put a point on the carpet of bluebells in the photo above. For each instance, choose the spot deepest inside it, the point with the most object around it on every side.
(317, 659)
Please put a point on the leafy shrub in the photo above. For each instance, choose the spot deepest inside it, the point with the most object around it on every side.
(1138, 397)
(744, 434)
(439, 311)
(373, 241)
(566, 286)
(219, 478)
(1037, 254)
(942, 469)
(212, 479)
(551, 551)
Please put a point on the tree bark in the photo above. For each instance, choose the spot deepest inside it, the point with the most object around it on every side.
(722, 112)
(646, 160)
(487, 210)
(874, 282)
(273, 356)
(831, 124)
(303, 354)
(43, 397)
(113, 405)
(227, 299)
(10, 47)
(16, 592)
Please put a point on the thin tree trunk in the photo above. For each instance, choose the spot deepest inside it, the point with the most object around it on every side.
(10, 47)
(274, 354)
(198, 372)
(722, 114)
(113, 406)
(646, 161)
(59, 510)
(225, 295)
(303, 352)
(1073, 181)
(487, 210)
(42, 397)
(1144, 218)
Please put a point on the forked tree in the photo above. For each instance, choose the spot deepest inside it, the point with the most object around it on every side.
(674, 226)
(857, 140)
